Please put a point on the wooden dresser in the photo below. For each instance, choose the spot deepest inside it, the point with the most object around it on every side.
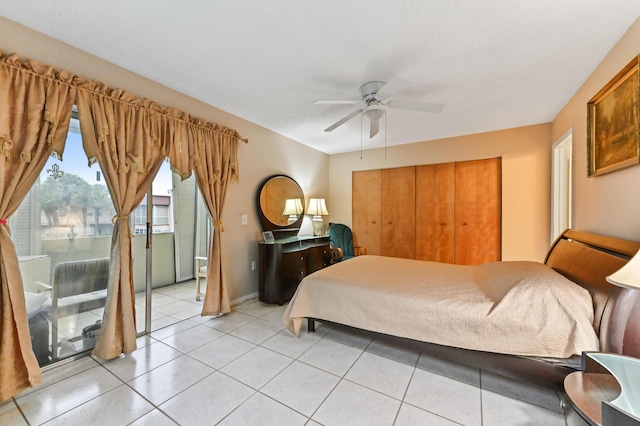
(286, 261)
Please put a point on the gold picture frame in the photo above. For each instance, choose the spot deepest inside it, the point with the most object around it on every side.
(613, 135)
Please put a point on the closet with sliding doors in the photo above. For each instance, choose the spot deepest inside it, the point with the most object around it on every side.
(448, 212)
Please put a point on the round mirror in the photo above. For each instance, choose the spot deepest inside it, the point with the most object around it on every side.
(280, 204)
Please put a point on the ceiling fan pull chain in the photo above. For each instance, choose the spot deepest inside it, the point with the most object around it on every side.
(385, 137)
(361, 120)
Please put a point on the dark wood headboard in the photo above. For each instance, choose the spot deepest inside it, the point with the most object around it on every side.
(587, 259)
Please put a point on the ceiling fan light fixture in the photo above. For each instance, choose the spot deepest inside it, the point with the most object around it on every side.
(373, 112)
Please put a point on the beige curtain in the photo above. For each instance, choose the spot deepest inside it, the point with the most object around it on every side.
(129, 137)
(35, 109)
(126, 136)
(216, 166)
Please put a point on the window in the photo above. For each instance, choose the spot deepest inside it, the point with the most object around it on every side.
(160, 215)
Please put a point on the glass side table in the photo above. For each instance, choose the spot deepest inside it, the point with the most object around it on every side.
(607, 391)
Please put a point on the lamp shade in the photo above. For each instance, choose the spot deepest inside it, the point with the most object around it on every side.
(629, 275)
(292, 206)
(317, 207)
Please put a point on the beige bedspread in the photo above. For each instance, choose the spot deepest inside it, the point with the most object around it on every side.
(520, 308)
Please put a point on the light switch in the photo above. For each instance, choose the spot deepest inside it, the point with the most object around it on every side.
(244, 219)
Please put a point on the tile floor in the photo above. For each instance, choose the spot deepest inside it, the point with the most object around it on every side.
(244, 368)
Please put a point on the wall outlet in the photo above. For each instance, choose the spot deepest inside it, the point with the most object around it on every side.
(253, 265)
(244, 219)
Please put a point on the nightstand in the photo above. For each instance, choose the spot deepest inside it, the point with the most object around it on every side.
(606, 392)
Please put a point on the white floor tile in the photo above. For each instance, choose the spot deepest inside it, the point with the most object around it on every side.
(229, 322)
(168, 380)
(257, 331)
(500, 410)
(127, 367)
(188, 340)
(208, 401)
(193, 311)
(222, 351)
(257, 309)
(56, 399)
(330, 356)
(351, 404)
(10, 415)
(154, 418)
(119, 406)
(260, 410)
(169, 290)
(290, 345)
(165, 321)
(159, 299)
(172, 308)
(257, 367)
(143, 341)
(61, 372)
(275, 316)
(301, 387)
(165, 332)
(412, 416)
(381, 374)
(446, 397)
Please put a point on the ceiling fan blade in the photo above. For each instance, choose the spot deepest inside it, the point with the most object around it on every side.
(337, 102)
(374, 127)
(343, 120)
(392, 87)
(416, 106)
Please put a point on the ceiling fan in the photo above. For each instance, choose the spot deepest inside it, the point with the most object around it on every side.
(373, 103)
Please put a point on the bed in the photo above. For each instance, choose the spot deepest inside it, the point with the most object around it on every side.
(523, 320)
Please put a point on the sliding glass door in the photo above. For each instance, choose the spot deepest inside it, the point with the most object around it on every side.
(62, 233)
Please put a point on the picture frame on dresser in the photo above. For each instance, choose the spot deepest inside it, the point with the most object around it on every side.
(613, 134)
(268, 237)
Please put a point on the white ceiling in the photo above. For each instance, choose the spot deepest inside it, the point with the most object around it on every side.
(495, 64)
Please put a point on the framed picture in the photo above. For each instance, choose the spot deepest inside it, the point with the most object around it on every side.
(268, 237)
(613, 137)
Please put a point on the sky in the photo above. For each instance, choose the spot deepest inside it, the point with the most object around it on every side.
(75, 162)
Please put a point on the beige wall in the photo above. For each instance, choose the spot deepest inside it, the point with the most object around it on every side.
(267, 152)
(607, 204)
(526, 169)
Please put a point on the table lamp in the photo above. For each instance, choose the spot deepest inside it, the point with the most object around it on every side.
(629, 275)
(317, 208)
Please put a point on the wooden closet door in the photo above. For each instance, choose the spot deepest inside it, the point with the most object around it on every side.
(478, 211)
(366, 210)
(399, 212)
(435, 212)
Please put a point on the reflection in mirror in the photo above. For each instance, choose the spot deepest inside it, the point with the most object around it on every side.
(281, 203)
(292, 208)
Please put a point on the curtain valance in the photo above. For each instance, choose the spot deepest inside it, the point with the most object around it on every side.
(186, 129)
